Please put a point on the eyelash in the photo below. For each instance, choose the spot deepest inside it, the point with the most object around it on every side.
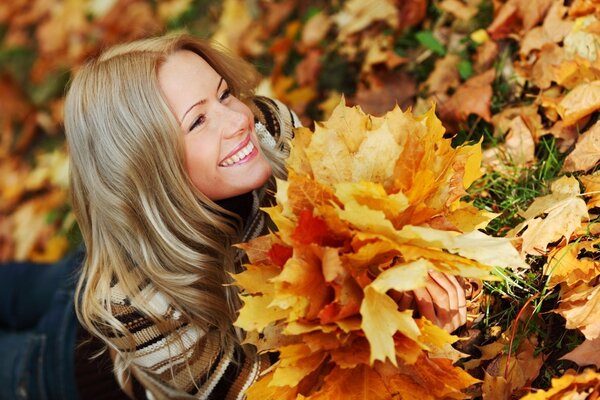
(201, 118)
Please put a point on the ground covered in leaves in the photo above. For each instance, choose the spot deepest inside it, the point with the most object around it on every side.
(522, 78)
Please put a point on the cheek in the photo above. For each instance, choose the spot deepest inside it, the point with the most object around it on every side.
(197, 161)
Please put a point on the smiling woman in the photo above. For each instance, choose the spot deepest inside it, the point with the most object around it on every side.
(167, 173)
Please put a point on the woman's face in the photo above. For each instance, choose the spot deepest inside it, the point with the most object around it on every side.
(222, 154)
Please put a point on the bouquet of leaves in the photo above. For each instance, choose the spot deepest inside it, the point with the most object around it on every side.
(371, 205)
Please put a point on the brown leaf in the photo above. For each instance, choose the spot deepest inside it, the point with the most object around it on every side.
(587, 151)
(459, 9)
(411, 13)
(315, 29)
(543, 71)
(587, 353)
(357, 15)
(307, 70)
(580, 307)
(566, 135)
(444, 75)
(591, 184)
(554, 29)
(384, 91)
(523, 367)
(505, 21)
(519, 144)
(583, 100)
(583, 7)
(568, 264)
(564, 209)
(570, 386)
(473, 97)
(485, 56)
(533, 12)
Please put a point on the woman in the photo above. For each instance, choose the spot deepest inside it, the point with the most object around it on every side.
(169, 170)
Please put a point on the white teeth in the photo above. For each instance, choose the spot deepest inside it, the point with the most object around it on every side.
(240, 155)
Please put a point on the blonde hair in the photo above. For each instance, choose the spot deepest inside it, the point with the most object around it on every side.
(141, 218)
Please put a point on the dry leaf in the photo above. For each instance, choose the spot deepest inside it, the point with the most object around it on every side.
(384, 91)
(587, 151)
(444, 75)
(519, 144)
(583, 100)
(587, 353)
(359, 14)
(572, 263)
(570, 386)
(459, 9)
(472, 97)
(580, 307)
(565, 211)
(316, 29)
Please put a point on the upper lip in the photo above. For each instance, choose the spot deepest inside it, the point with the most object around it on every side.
(237, 148)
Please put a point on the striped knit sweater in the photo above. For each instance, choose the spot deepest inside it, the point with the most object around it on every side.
(196, 367)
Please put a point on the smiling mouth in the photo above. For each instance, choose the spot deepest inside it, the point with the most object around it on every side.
(240, 155)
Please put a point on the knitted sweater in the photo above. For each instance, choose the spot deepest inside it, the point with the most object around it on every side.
(196, 367)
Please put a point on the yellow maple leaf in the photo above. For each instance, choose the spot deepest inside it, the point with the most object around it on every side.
(580, 307)
(565, 265)
(565, 210)
(569, 386)
(359, 383)
(297, 361)
(381, 320)
(583, 100)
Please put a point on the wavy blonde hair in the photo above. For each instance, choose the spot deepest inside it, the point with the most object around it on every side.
(141, 218)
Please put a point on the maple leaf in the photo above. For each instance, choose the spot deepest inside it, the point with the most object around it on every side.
(523, 367)
(569, 386)
(587, 151)
(359, 383)
(587, 353)
(381, 321)
(263, 390)
(565, 210)
(357, 15)
(591, 183)
(296, 361)
(580, 307)
(472, 97)
(583, 100)
(426, 379)
(567, 265)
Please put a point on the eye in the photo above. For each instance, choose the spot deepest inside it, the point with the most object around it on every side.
(197, 122)
(225, 95)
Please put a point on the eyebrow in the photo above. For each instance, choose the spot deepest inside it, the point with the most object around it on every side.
(199, 102)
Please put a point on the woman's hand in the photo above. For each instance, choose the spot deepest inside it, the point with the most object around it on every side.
(441, 300)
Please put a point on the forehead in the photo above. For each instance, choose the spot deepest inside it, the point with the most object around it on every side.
(186, 78)
(184, 63)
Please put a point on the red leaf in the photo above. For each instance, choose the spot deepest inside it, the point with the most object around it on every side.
(279, 254)
(313, 229)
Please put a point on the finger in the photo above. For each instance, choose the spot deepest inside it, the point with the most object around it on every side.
(406, 301)
(459, 283)
(424, 304)
(451, 314)
(441, 304)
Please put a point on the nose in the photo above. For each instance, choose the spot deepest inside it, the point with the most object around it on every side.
(233, 122)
